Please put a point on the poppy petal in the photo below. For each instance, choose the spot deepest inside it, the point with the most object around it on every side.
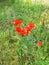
(40, 43)
(18, 22)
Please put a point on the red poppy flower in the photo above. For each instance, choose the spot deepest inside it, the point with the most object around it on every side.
(40, 43)
(32, 25)
(18, 29)
(28, 29)
(26, 33)
(22, 32)
(18, 22)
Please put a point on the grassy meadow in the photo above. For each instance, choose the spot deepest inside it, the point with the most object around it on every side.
(16, 50)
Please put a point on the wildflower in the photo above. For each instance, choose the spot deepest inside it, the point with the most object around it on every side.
(40, 43)
(26, 33)
(18, 22)
(28, 29)
(32, 25)
(18, 29)
(22, 32)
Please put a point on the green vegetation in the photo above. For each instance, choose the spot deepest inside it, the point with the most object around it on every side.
(16, 50)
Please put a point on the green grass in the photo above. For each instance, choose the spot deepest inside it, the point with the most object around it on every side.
(26, 47)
